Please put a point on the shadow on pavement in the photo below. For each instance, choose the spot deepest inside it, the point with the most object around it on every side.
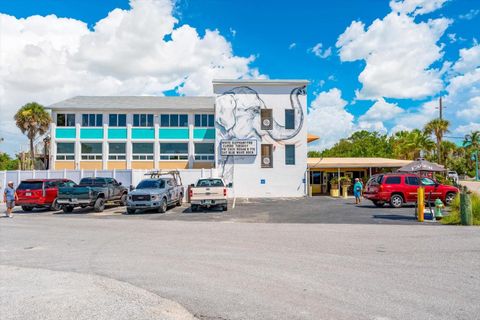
(393, 217)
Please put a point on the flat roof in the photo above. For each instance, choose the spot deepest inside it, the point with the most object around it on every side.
(135, 103)
(266, 82)
(355, 163)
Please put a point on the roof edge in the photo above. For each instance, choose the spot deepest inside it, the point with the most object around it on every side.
(268, 82)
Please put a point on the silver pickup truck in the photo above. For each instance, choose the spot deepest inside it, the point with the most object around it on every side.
(155, 194)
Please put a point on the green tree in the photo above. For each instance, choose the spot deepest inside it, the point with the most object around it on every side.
(32, 120)
(438, 127)
(360, 144)
(417, 141)
(472, 140)
(7, 163)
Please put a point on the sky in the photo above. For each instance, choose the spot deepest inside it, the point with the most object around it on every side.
(376, 65)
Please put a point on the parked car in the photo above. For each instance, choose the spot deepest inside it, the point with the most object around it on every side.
(207, 193)
(453, 175)
(155, 193)
(40, 193)
(397, 189)
(93, 192)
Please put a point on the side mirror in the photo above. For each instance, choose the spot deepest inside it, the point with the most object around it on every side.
(132, 188)
(119, 183)
(230, 185)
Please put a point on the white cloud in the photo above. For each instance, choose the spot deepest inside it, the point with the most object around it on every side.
(467, 128)
(452, 37)
(470, 14)
(292, 45)
(141, 51)
(319, 52)
(469, 59)
(381, 111)
(416, 7)
(328, 118)
(398, 53)
(233, 32)
(377, 126)
(415, 118)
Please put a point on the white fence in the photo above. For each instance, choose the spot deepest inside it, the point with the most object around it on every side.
(126, 177)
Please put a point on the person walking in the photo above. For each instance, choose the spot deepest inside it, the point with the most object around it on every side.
(357, 190)
(9, 197)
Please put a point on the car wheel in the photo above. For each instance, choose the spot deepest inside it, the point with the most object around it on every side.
(396, 201)
(449, 198)
(123, 200)
(225, 208)
(163, 206)
(28, 209)
(378, 204)
(180, 200)
(99, 205)
(55, 206)
(67, 209)
(131, 211)
(193, 208)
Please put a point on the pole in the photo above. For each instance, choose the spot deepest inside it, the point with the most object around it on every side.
(440, 107)
(476, 165)
(421, 204)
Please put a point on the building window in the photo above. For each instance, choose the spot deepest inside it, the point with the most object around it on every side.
(266, 118)
(65, 120)
(91, 151)
(173, 151)
(205, 151)
(174, 120)
(204, 120)
(267, 156)
(143, 120)
(289, 119)
(65, 151)
(92, 120)
(142, 151)
(117, 151)
(117, 120)
(289, 154)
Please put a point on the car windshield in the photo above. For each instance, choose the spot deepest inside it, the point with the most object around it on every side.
(428, 182)
(210, 183)
(30, 185)
(151, 184)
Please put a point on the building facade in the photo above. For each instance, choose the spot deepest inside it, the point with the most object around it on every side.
(252, 131)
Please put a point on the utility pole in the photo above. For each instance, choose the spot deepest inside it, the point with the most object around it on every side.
(440, 108)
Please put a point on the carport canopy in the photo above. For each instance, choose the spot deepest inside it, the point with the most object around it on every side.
(324, 163)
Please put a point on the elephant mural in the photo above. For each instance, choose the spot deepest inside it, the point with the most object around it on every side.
(238, 117)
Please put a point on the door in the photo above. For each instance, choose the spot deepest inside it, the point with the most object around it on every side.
(411, 188)
(170, 191)
(431, 190)
(316, 181)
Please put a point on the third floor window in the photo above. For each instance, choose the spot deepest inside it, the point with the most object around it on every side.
(92, 120)
(143, 120)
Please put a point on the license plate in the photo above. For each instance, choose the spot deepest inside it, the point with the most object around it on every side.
(208, 202)
(75, 200)
(28, 194)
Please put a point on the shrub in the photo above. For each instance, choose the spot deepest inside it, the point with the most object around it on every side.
(454, 216)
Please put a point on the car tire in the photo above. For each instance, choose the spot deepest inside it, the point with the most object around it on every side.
(123, 200)
(99, 205)
(163, 206)
(131, 211)
(180, 200)
(193, 208)
(27, 209)
(224, 207)
(378, 204)
(449, 197)
(67, 209)
(396, 201)
(55, 206)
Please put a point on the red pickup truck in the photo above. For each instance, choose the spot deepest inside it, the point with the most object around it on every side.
(40, 193)
(399, 188)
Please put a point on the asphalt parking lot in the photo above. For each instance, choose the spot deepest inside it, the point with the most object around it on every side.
(286, 210)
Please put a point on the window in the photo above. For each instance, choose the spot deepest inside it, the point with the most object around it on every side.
(289, 154)
(92, 120)
(174, 120)
(428, 182)
(266, 119)
(392, 180)
(91, 151)
(143, 120)
(117, 120)
(174, 151)
(267, 156)
(142, 151)
(289, 119)
(65, 151)
(205, 151)
(210, 183)
(65, 120)
(413, 181)
(117, 151)
(204, 120)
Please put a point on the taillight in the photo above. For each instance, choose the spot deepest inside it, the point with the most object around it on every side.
(224, 192)
(380, 187)
(190, 193)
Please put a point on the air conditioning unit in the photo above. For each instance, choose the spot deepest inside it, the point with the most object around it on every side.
(267, 162)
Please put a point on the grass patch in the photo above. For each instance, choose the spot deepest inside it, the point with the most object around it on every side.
(454, 216)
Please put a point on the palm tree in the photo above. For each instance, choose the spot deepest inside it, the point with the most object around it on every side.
(415, 142)
(438, 127)
(472, 140)
(32, 120)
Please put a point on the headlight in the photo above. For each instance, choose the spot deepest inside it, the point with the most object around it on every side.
(154, 197)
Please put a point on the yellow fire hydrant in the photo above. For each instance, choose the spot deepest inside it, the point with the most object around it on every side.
(438, 208)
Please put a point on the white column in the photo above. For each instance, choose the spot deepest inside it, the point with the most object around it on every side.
(53, 145)
(105, 144)
(156, 145)
(78, 146)
(129, 144)
(191, 146)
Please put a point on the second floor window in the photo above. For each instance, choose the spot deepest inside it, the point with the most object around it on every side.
(289, 119)
(174, 120)
(174, 151)
(117, 120)
(65, 120)
(204, 120)
(143, 120)
(91, 151)
(65, 151)
(117, 151)
(142, 151)
(204, 151)
(92, 120)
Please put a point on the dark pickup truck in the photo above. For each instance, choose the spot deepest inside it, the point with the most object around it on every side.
(93, 192)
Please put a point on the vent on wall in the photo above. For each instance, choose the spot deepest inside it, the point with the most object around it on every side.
(267, 156)
(266, 117)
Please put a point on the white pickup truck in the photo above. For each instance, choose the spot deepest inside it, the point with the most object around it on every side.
(209, 193)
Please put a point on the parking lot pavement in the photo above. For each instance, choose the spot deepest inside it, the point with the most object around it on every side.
(291, 210)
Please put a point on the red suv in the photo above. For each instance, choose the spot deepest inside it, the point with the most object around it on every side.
(40, 193)
(397, 189)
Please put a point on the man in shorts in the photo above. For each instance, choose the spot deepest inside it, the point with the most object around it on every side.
(9, 197)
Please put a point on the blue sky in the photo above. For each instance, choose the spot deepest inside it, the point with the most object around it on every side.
(280, 39)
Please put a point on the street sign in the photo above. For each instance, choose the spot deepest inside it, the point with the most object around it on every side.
(238, 147)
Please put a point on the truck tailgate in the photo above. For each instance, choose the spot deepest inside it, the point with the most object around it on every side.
(208, 193)
(74, 193)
